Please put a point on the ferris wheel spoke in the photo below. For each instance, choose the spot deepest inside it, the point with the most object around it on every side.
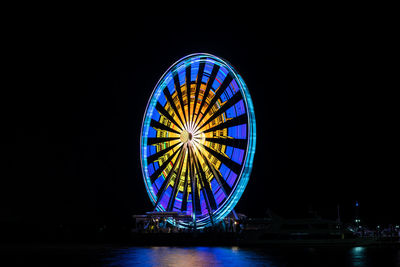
(209, 197)
(200, 176)
(189, 175)
(228, 79)
(179, 92)
(172, 103)
(188, 83)
(234, 166)
(232, 101)
(218, 177)
(196, 204)
(198, 84)
(159, 125)
(172, 198)
(195, 194)
(238, 143)
(185, 188)
(242, 119)
(160, 153)
(158, 172)
(167, 180)
(165, 113)
(210, 82)
(157, 140)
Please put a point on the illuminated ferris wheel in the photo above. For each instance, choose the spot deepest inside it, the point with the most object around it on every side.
(198, 140)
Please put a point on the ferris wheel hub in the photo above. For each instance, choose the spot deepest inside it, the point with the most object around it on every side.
(186, 136)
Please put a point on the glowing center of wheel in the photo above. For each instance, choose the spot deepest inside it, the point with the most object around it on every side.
(186, 136)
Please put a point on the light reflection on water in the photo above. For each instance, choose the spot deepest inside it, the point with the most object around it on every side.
(235, 256)
(358, 256)
(110, 255)
(191, 256)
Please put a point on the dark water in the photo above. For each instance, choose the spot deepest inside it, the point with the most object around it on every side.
(197, 256)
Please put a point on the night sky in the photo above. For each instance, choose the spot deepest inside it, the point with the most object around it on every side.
(77, 87)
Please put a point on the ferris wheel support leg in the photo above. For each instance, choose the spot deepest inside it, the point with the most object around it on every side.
(235, 215)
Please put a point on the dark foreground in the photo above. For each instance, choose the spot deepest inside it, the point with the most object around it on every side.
(114, 255)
